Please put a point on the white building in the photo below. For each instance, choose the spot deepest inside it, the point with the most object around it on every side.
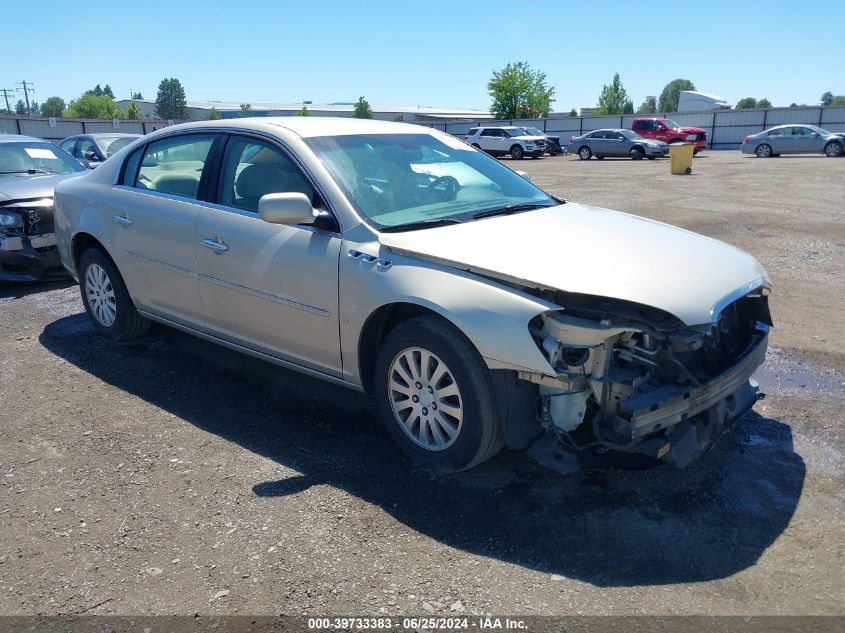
(198, 111)
(694, 101)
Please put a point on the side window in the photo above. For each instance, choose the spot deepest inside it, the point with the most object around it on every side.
(85, 145)
(488, 132)
(68, 145)
(130, 168)
(800, 131)
(640, 125)
(473, 131)
(253, 168)
(596, 135)
(174, 165)
(777, 131)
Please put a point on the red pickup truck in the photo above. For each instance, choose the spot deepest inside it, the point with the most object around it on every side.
(668, 131)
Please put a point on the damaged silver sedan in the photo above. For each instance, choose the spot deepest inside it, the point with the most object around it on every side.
(479, 310)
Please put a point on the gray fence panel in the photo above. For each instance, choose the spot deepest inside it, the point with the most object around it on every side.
(8, 126)
(793, 115)
(727, 118)
(41, 128)
(833, 116)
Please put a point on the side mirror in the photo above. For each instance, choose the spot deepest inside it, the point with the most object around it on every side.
(286, 208)
(91, 156)
(524, 174)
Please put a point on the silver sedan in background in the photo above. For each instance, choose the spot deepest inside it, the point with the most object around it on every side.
(616, 142)
(794, 139)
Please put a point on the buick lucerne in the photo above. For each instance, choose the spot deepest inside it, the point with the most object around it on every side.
(480, 311)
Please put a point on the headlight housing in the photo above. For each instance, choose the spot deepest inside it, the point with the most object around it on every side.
(10, 220)
(692, 137)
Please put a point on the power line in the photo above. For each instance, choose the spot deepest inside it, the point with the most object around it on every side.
(26, 90)
(6, 92)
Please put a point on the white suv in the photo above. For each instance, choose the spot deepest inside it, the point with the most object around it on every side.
(512, 140)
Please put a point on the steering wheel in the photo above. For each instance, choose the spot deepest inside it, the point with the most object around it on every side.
(446, 186)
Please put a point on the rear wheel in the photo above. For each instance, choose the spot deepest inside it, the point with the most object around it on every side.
(106, 299)
(636, 153)
(833, 149)
(435, 397)
(585, 153)
(763, 151)
(517, 153)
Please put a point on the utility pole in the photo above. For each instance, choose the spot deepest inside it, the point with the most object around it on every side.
(6, 92)
(26, 90)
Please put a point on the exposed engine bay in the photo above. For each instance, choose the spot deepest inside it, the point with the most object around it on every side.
(27, 240)
(633, 379)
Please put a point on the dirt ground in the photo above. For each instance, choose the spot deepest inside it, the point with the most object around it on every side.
(170, 476)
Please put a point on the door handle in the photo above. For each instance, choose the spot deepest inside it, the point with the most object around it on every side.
(215, 245)
(123, 219)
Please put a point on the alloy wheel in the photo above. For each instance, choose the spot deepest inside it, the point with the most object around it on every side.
(99, 293)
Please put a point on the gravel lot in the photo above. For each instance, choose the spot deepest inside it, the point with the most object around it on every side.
(172, 476)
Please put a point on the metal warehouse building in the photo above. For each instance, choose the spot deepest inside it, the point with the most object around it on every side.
(198, 111)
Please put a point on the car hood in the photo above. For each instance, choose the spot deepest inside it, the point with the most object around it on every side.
(588, 250)
(691, 130)
(529, 137)
(30, 186)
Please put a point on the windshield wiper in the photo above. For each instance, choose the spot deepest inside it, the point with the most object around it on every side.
(422, 224)
(27, 171)
(511, 208)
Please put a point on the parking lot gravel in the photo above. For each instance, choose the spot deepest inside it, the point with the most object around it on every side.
(170, 476)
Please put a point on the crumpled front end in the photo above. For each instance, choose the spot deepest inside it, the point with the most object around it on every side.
(657, 387)
(28, 249)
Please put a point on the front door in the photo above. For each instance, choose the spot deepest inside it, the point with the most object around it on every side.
(270, 287)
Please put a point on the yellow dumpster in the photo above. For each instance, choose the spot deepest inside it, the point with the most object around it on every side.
(680, 158)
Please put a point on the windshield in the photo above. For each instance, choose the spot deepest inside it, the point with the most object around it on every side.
(533, 131)
(671, 123)
(630, 135)
(396, 180)
(35, 158)
(112, 144)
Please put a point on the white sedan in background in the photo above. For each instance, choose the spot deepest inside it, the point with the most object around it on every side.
(481, 311)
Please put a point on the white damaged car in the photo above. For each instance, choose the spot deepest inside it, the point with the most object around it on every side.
(393, 259)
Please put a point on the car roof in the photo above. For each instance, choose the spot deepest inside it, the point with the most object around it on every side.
(304, 126)
(106, 135)
(20, 138)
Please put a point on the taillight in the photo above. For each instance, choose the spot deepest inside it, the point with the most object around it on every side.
(745, 140)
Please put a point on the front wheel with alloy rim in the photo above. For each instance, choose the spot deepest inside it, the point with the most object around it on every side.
(833, 149)
(517, 153)
(435, 396)
(585, 153)
(636, 153)
(763, 151)
(106, 299)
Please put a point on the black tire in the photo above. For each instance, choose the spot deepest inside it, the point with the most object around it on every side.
(599, 157)
(479, 436)
(585, 153)
(763, 151)
(127, 322)
(833, 150)
(636, 153)
(517, 153)
(650, 157)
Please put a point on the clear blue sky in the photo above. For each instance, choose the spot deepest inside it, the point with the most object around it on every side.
(437, 53)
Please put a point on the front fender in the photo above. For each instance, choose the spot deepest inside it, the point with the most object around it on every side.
(494, 317)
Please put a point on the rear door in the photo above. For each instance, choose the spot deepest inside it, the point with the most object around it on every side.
(270, 287)
(154, 209)
(487, 139)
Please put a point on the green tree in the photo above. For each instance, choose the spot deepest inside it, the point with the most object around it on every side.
(91, 106)
(519, 91)
(649, 106)
(764, 103)
(827, 98)
(613, 97)
(137, 96)
(108, 91)
(20, 108)
(53, 106)
(628, 108)
(304, 111)
(246, 110)
(213, 114)
(573, 112)
(838, 100)
(133, 111)
(668, 101)
(746, 104)
(362, 109)
(171, 102)
(34, 108)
